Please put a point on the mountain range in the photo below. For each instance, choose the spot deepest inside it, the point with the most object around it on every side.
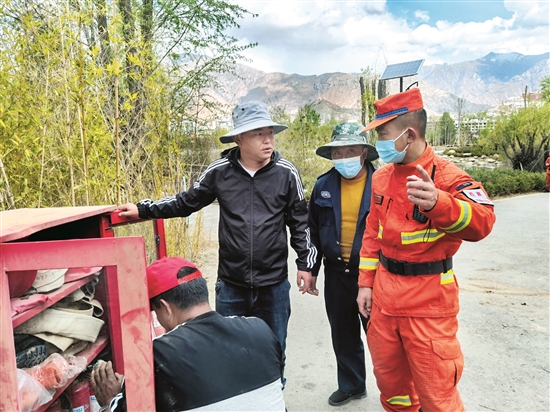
(483, 84)
(491, 79)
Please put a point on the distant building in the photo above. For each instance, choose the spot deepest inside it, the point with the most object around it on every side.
(222, 124)
(518, 102)
(475, 124)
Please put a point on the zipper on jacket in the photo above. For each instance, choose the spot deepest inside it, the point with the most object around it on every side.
(386, 218)
(251, 231)
(390, 200)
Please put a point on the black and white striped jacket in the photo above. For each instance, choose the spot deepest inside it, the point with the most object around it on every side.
(254, 213)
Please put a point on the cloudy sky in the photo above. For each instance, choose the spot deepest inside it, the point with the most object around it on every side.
(314, 37)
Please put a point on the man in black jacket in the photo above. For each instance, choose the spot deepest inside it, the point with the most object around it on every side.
(200, 362)
(259, 194)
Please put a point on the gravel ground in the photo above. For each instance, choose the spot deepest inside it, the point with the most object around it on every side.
(504, 319)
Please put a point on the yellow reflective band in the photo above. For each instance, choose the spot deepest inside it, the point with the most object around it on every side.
(368, 263)
(380, 230)
(400, 400)
(463, 220)
(447, 277)
(421, 236)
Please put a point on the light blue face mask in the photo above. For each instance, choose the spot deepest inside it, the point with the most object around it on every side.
(387, 151)
(348, 168)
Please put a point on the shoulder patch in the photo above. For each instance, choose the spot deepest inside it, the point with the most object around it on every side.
(463, 186)
(478, 196)
(378, 199)
(325, 194)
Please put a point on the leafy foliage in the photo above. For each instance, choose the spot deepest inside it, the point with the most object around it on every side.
(101, 101)
(104, 102)
(446, 130)
(298, 143)
(545, 89)
(523, 136)
(368, 83)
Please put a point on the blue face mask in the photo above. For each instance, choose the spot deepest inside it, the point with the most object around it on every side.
(348, 168)
(387, 151)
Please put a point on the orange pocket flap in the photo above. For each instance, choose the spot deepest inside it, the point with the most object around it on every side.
(446, 348)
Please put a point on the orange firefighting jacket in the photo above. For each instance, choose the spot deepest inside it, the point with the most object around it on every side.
(463, 212)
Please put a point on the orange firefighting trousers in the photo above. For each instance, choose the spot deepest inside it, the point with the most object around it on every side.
(412, 335)
(425, 350)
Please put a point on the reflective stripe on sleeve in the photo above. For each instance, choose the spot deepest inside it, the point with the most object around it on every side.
(421, 236)
(400, 400)
(447, 277)
(368, 263)
(463, 220)
(380, 231)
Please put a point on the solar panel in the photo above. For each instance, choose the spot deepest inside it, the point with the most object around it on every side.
(393, 71)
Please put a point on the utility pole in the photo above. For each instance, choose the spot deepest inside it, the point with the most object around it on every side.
(459, 105)
(363, 101)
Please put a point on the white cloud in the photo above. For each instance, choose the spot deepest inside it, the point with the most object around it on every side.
(422, 15)
(310, 37)
(528, 14)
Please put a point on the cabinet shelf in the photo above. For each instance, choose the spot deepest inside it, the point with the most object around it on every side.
(90, 354)
(54, 297)
(81, 238)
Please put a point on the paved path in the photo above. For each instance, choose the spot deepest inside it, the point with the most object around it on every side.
(504, 321)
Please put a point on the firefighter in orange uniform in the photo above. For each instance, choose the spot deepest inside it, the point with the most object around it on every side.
(422, 208)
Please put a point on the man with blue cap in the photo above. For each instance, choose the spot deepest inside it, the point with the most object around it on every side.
(259, 194)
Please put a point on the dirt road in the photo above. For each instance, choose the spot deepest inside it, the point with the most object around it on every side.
(504, 320)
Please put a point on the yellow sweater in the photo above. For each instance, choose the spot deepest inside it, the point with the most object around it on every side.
(351, 194)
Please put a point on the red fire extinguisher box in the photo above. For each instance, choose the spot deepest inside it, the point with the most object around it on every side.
(79, 238)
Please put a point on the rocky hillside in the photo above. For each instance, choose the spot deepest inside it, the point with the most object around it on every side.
(491, 79)
(331, 93)
(484, 83)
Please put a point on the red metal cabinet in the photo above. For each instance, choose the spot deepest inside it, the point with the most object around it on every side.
(81, 237)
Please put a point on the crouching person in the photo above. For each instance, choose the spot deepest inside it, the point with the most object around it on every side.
(205, 361)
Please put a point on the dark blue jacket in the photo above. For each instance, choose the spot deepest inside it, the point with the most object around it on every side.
(325, 223)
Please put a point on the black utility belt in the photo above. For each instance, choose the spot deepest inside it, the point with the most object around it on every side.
(398, 267)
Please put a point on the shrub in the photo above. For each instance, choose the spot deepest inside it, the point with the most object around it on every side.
(308, 182)
(475, 150)
(502, 182)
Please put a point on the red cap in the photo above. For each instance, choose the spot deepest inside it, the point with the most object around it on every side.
(395, 105)
(162, 275)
